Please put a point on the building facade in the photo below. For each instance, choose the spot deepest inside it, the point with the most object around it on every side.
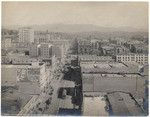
(26, 35)
(84, 47)
(34, 50)
(58, 51)
(139, 58)
(96, 48)
(6, 43)
(94, 59)
(46, 50)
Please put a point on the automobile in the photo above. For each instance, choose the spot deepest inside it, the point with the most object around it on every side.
(64, 94)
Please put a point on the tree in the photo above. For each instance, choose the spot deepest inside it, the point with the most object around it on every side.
(133, 49)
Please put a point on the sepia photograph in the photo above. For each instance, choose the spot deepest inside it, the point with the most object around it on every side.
(74, 58)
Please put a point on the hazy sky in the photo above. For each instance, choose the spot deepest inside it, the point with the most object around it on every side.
(107, 14)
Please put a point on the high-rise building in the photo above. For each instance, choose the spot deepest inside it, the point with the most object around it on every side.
(84, 47)
(96, 48)
(34, 50)
(92, 47)
(6, 43)
(26, 35)
(46, 50)
(63, 42)
(58, 51)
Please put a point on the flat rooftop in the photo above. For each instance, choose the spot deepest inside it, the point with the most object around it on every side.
(122, 104)
(110, 70)
(12, 97)
(114, 82)
(94, 106)
(103, 65)
(19, 66)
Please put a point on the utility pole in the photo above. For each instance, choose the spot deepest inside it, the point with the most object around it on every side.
(136, 84)
(93, 82)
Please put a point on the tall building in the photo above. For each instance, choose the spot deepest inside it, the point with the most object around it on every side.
(58, 51)
(46, 50)
(84, 47)
(34, 50)
(92, 47)
(63, 42)
(26, 35)
(6, 43)
(96, 48)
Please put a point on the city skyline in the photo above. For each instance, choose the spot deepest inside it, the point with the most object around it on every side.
(75, 59)
(104, 14)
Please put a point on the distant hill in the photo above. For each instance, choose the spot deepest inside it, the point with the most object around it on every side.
(75, 28)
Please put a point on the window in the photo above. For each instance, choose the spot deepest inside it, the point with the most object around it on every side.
(128, 58)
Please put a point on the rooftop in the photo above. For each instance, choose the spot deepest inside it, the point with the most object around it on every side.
(122, 104)
(108, 68)
(115, 82)
(103, 65)
(132, 54)
(94, 106)
(12, 97)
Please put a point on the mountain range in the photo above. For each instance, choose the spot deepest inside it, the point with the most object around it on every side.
(75, 28)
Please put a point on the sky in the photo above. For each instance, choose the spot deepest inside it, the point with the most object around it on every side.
(105, 14)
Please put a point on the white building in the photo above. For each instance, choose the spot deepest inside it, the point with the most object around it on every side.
(22, 74)
(26, 35)
(6, 43)
(139, 58)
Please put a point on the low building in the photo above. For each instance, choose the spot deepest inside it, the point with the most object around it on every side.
(109, 67)
(94, 106)
(4, 57)
(123, 104)
(13, 55)
(22, 60)
(115, 103)
(117, 76)
(139, 58)
(94, 59)
(32, 79)
(9, 75)
(94, 82)
(13, 101)
(29, 106)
